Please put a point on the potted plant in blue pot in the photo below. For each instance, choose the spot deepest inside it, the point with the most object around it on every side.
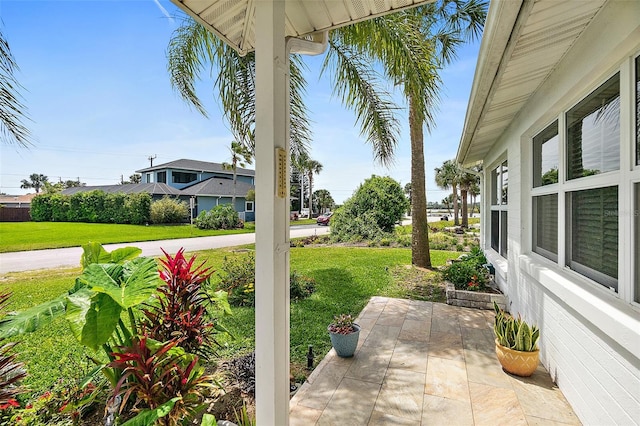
(344, 335)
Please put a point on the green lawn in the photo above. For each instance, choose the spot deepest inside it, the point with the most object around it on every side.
(346, 277)
(19, 236)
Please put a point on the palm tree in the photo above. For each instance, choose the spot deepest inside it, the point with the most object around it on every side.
(448, 177)
(323, 199)
(240, 156)
(411, 46)
(36, 181)
(311, 167)
(466, 181)
(474, 191)
(12, 111)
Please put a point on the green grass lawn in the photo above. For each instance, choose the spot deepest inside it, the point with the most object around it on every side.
(346, 277)
(18, 236)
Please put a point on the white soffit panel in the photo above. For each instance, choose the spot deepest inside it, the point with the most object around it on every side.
(540, 37)
(233, 20)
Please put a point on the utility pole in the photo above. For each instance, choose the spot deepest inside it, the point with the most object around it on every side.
(151, 158)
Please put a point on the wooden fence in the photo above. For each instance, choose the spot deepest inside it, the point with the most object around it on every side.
(15, 214)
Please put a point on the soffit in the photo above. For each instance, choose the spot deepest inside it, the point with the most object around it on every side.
(234, 21)
(542, 33)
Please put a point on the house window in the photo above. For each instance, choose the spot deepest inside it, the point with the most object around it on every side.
(248, 206)
(638, 111)
(148, 179)
(183, 177)
(545, 225)
(593, 132)
(592, 234)
(545, 156)
(636, 214)
(162, 177)
(499, 199)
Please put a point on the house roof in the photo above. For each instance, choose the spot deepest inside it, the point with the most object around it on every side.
(195, 165)
(234, 20)
(216, 187)
(131, 188)
(16, 199)
(523, 42)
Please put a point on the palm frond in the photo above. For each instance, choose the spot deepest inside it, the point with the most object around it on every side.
(12, 110)
(189, 50)
(357, 84)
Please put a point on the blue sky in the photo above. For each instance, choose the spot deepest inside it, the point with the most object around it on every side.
(99, 97)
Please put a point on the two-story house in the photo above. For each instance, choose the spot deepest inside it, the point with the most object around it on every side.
(202, 184)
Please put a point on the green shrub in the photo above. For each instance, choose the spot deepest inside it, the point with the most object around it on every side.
(300, 286)
(169, 210)
(372, 212)
(220, 217)
(138, 207)
(404, 240)
(467, 275)
(442, 241)
(41, 208)
(238, 280)
(93, 207)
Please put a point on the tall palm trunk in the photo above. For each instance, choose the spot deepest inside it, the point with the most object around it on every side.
(456, 220)
(465, 212)
(420, 255)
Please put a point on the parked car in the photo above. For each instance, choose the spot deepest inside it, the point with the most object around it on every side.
(324, 219)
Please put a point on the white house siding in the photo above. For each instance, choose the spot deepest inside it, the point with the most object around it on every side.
(590, 337)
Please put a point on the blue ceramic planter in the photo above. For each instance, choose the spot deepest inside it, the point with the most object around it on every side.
(345, 344)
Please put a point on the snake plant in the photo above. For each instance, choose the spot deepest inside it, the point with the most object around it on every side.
(515, 333)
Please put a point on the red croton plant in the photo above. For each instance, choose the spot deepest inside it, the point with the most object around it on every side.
(161, 369)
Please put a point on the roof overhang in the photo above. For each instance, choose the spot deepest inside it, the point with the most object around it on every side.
(234, 20)
(523, 43)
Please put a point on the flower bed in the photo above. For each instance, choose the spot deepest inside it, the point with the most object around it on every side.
(475, 299)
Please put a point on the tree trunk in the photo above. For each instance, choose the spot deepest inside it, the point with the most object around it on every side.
(420, 255)
(456, 220)
(310, 194)
(465, 212)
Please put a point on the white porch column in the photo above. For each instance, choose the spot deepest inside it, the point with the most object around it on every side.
(272, 217)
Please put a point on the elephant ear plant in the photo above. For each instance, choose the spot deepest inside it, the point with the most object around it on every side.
(114, 306)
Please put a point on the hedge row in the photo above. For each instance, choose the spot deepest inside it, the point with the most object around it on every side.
(92, 206)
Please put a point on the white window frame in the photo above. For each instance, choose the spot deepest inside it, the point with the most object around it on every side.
(627, 179)
(500, 207)
(246, 206)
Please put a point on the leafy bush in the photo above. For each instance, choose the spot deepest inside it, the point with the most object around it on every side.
(159, 376)
(467, 275)
(223, 216)
(300, 286)
(377, 205)
(242, 371)
(169, 210)
(238, 280)
(442, 241)
(180, 308)
(93, 207)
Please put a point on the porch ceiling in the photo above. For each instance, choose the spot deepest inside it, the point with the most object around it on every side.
(234, 20)
(524, 42)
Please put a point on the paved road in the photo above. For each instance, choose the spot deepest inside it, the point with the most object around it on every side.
(70, 257)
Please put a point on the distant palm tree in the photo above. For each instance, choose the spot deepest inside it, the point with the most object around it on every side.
(323, 199)
(448, 177)
(12, 111)
(36, 181)
(311, 167)
(466, 181)
(474, 191)
(240, 156)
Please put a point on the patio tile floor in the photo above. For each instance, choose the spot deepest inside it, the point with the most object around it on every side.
(423, 363)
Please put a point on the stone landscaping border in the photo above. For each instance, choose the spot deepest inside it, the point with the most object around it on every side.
(474, 299)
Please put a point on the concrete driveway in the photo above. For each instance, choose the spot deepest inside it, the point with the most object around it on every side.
(70, 257)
